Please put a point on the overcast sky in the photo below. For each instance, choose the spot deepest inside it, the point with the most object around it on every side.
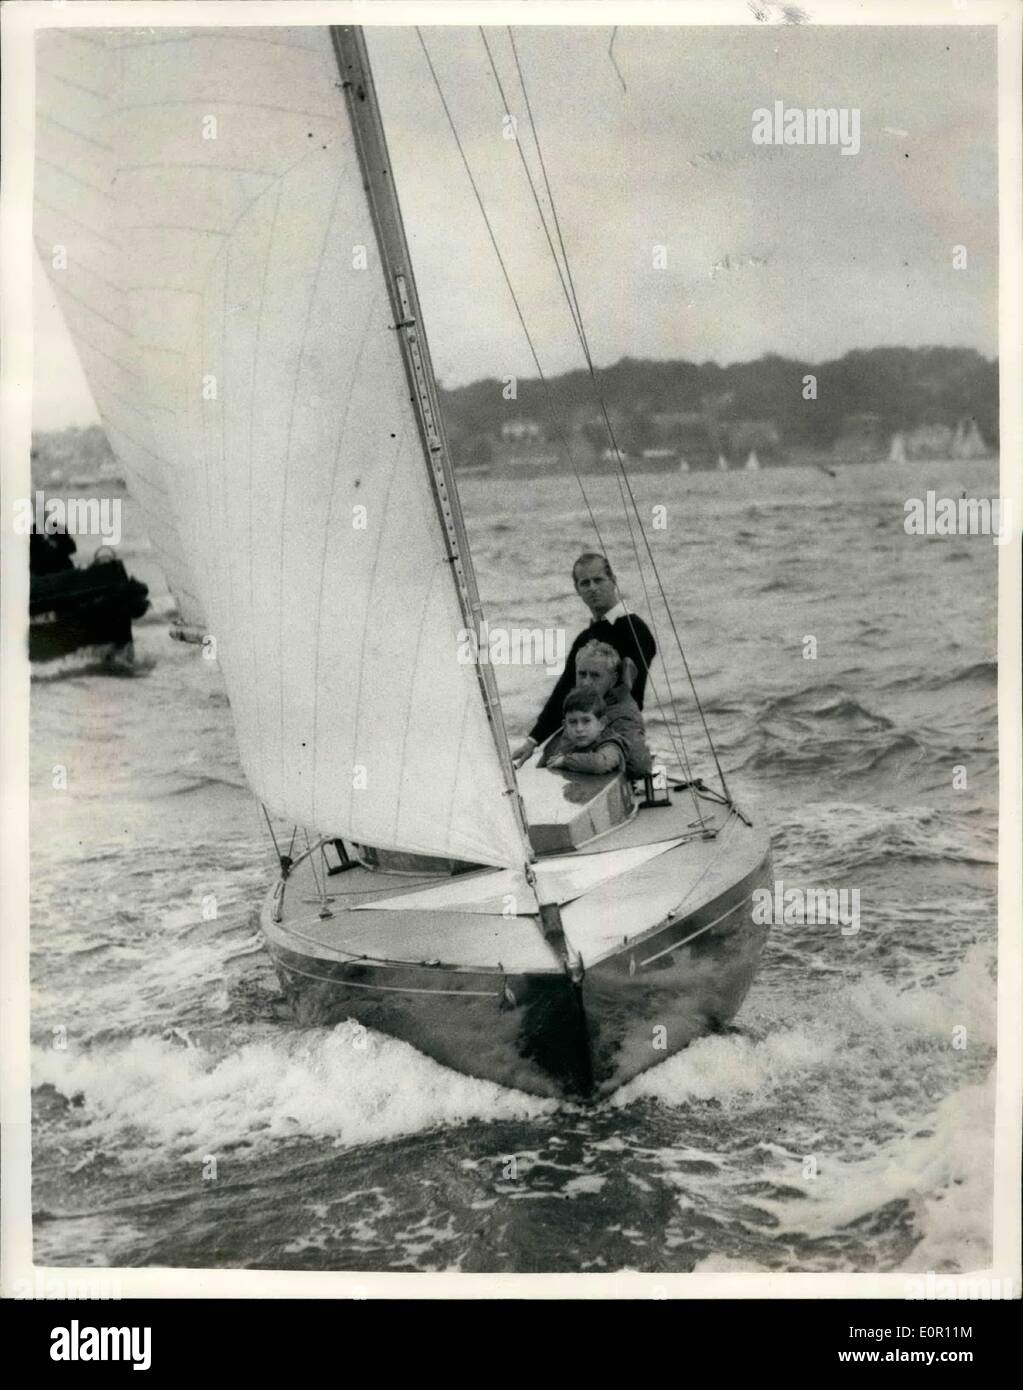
(797, 250)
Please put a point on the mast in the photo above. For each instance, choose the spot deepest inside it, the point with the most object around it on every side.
(374, 162)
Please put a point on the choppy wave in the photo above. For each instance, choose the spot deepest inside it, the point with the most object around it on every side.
(782, 750)
(334, 1156)
(714, 1145)
(347, 1085)
(977, 673)
(89, 661)
(864, 1024)
(824, 702)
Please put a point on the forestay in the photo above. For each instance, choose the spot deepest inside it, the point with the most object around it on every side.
(232, 316)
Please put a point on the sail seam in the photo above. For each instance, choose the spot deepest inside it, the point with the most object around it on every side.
(96, 188)
(67, 82)
(206, 104)
(256, 355)
(60, 212)
(77, 134)
(371, 595)
(342, 435)
(370, 142)
(45, 250)
(412, 696)
(299, 367)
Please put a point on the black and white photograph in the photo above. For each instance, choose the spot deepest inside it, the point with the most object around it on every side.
(511, 648)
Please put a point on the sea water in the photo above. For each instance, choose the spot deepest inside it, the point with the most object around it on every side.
(182, 1118)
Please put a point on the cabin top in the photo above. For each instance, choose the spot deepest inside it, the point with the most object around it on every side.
(567, 809)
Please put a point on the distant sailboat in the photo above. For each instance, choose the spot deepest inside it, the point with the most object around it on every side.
(897, 452)
(722, 464)
(968, 442)
(265, 398)
(652, 461)
(752, 463)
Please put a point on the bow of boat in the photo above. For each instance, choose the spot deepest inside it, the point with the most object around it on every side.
(657, 944)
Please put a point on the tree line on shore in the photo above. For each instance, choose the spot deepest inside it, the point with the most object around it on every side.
(901, 388)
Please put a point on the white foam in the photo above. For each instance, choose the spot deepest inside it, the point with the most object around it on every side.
(849, 1030)
(944, 1175)
(347, 1084)
(954, 1216)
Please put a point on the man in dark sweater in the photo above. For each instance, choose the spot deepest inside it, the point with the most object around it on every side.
(631, 638)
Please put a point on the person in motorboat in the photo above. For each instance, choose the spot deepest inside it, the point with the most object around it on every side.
(596, 585)
(599, 667)
(584, 743)
(49, 552)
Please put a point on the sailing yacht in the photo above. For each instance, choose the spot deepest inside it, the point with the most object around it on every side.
(269, 392)
(968, 442)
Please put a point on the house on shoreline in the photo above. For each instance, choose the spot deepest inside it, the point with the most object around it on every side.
(652, 439)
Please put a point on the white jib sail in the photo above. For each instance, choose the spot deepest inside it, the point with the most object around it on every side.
(267, 377)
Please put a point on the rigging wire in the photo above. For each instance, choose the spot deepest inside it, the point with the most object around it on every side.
(568, 288)
(624, 477)
(543, 216)
(283, 858)
(675, 735)
(321, 889)
(678, 748)
(269, 826)
(570, 293)
(493, 238)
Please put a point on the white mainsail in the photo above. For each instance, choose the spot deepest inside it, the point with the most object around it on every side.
(235, 267)
(78, 242)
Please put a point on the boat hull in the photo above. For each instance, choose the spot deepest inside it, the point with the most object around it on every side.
(84, 608)
(550, 1031)
(524, 1031)
(686, 981)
